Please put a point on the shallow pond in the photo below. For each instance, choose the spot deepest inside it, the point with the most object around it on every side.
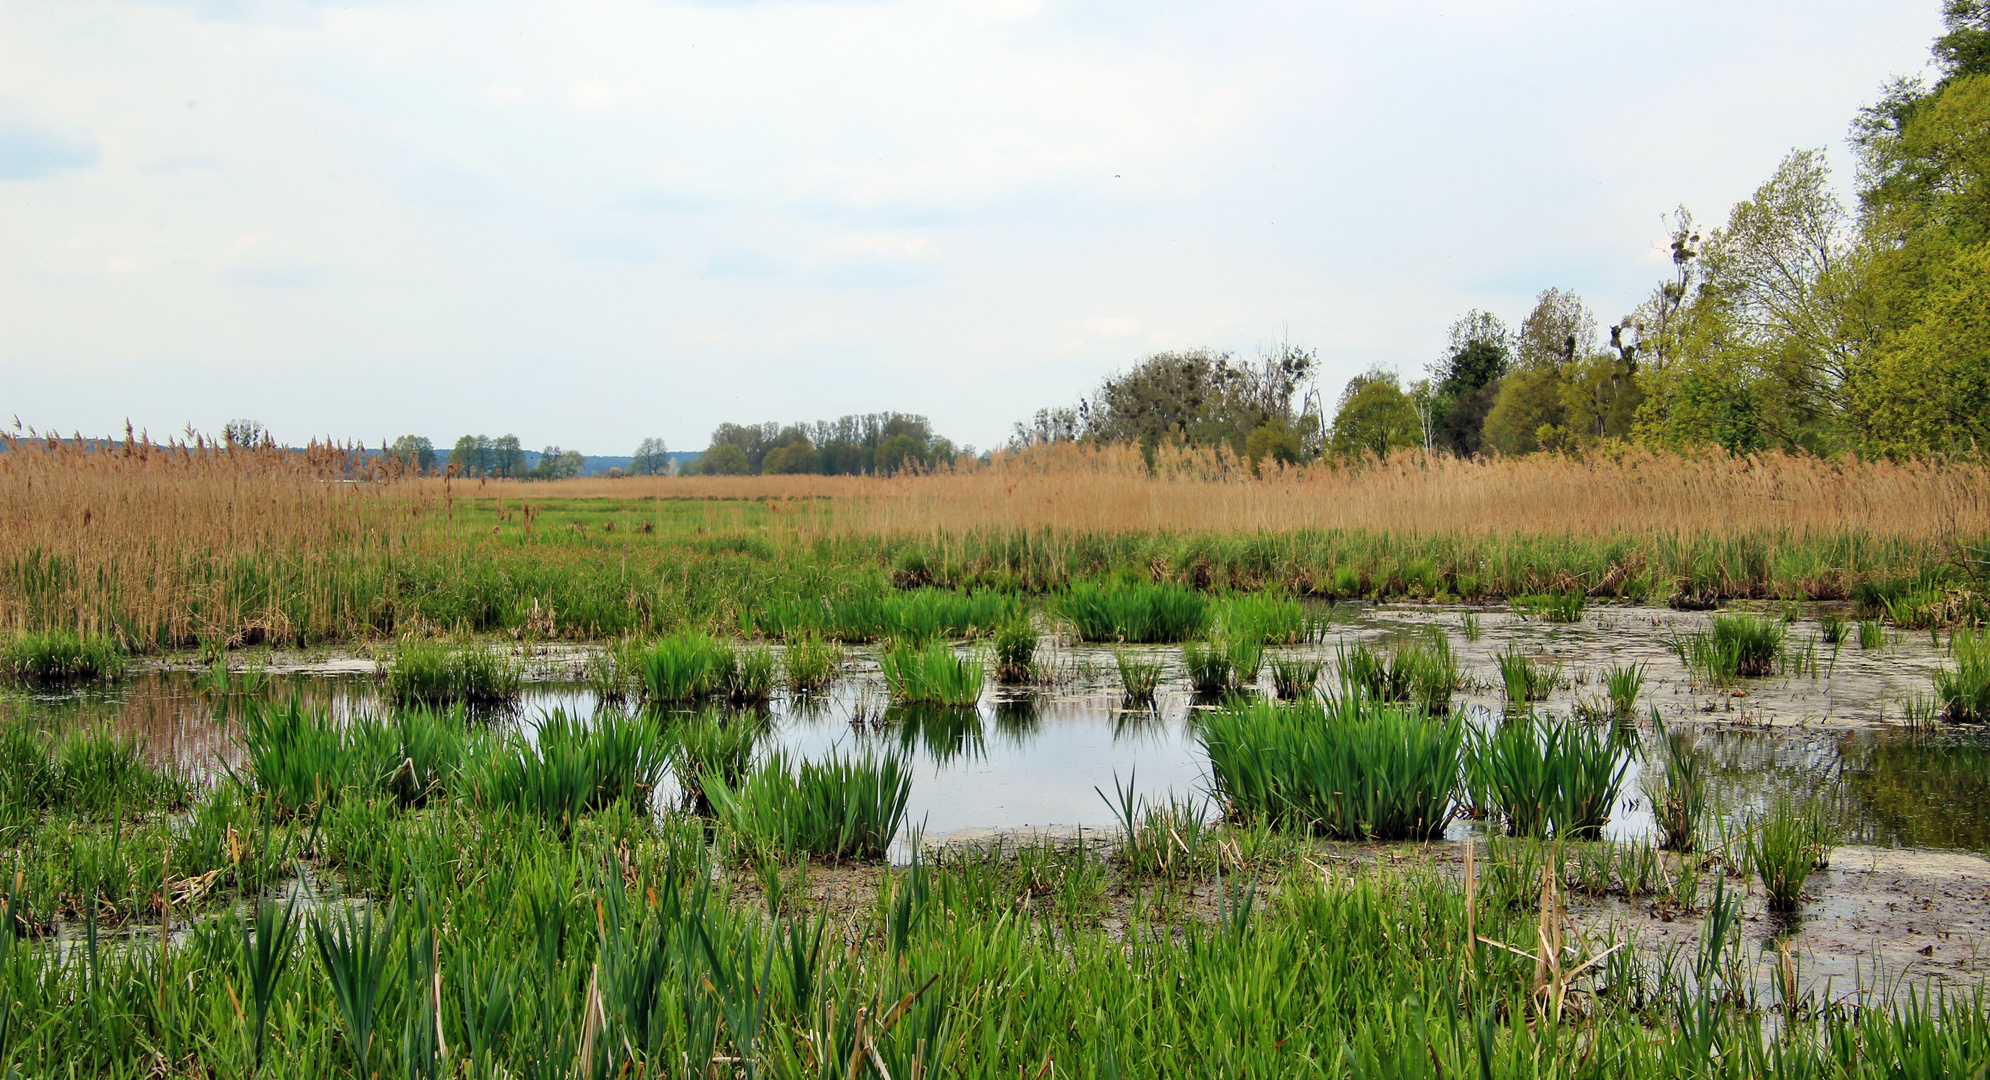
(1035, 759)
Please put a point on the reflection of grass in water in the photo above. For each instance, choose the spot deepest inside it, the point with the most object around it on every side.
(945, 733)
(1018, 719)
(1918, 790)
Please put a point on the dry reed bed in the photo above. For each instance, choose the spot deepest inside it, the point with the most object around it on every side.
(1630, 494)
(167, 546)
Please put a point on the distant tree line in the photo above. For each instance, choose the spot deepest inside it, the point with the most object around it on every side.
(866, 445)
(1798, 325)
(505, 458)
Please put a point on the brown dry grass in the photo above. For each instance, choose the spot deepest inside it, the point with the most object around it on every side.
(1628, 494)
(151, 529)
(165, 546)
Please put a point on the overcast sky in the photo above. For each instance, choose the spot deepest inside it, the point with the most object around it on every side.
(588, 222)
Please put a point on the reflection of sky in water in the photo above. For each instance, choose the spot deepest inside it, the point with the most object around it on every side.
(1032, 760)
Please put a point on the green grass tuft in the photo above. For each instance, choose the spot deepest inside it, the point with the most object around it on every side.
(1549, 777)
(1015, 650)
(932, 675)
(1420, 669)
(437, 674)
(1964, 690)
(1734, 646)
(810, 663)
(842, 808)
(1134, 614)
(1138, 677)
(1351, 768)
(683, 668)
(54, 657)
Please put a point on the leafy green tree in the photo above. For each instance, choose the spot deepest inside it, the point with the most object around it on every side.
(1965, 49)
(1374, 416)
(1274, 439)
(1600, 397)
(723, 459)
(651, 458)
(790, 459)
(1528, 409)
(244, 433)
(1925, 213)
(1466, 382)
(1559, 329)
(507, 457)
(1929, 387)
(1197, 398)
(414, 452)
(899, 453)
(473, 456)
(557, 464)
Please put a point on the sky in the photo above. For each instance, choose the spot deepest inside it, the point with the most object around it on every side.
(589, 222)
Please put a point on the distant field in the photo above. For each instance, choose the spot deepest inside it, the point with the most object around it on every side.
(164, 550)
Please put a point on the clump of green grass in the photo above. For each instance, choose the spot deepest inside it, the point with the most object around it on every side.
(1138, 678)
(1469, 622)
(711, 744)
(1549, 777)
(932, 675)
(1295, 678)
(1783, 846)
(1679, 800)
(1207, 665)
(1734, 646)
(924, 614)
(1246, 658)
(437, 674)
(1349, 768)
(608, 673)
(860, 614)
(91, 771)
(1525, 680)
(572, 767)
(1420, 669)
(1917, 609)
(1015, 650)
(1872, 634)
(1625, 682)
(1555, 607)
(1267, 618)
(54, 657)
(1832, 626)
(1168, 839)
(844, 807)
(810, 663)
(748, 674)
(1134, 614)
(1964, 690)
(683, 668)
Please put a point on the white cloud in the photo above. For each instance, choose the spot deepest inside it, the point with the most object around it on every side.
(974, 209)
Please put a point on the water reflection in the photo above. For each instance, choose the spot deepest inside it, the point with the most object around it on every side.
(1031, 758)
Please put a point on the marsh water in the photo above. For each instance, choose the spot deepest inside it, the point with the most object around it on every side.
(1035, 759)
